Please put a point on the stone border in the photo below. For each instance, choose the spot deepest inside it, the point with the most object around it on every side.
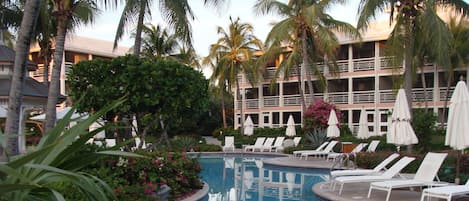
(199, 194)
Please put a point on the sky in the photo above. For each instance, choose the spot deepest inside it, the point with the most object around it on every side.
(206, 22)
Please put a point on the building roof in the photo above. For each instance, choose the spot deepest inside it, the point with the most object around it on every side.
(32, 88)
(7, 55)
(90, 46)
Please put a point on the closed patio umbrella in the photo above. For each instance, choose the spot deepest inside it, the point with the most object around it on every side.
(248, 126)
(363, 132)
(458, 121)
(290, 127)
(400, 131)
(332, 129)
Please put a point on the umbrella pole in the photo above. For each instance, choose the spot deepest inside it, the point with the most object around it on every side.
(458, 163)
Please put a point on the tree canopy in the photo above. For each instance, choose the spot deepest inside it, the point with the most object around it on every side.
(167, 90)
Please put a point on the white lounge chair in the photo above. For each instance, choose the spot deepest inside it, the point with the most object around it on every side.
(229, 143)
(358, 172)
(278, 144)
(445, 192)
(269, 142)
(259, 142)
(424, 176)
(320, 148)
(373, 145)
(324, 152)
(357, 149)
(110, 142)
(386, 175)
(296, 140)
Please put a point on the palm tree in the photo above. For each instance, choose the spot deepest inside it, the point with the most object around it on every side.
(412, 18)
(458, 55)
(31, 10)
(310, 32)
(218, 82)
(176, 13)
(44, 37)
(158, 43)
(234, 51)
(10, 17)
(67, 14)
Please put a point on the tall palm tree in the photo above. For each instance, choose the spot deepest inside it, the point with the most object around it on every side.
(458, 55)
(158, 43)
(218, 82)
(44, 37)
(310, 32)
(176, 13)
(67, 14)
(31, 10)
(412, 18)
(234, 51)
(10, 18)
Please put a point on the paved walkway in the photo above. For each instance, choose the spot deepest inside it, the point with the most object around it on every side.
(212, 140)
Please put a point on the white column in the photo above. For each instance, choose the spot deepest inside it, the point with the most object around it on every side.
(350, 58)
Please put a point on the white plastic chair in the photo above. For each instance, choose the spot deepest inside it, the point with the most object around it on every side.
(110, 142)
(358, 172)
(259, 142)
(373, 145)
(424, 176)
(357, 149)
(229, 143)
(278, 145)
(445, 192)
(386, 175)
(269, 142)
(325, 152)
(296, 140)
(320, 148)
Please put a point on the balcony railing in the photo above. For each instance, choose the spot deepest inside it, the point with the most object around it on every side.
(270, 72)
(387, 96)
(271, 101)
(386, 62)
(443, 93)
(252, 104)
(363, 96)
(363, 64)
(338, 97)
(418, 95)
(292, 100)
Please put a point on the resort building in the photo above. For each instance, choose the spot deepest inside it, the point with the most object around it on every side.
(365, 79)
(77, 48)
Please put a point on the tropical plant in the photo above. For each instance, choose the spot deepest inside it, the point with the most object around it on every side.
(67, 13)
(316, 136)
(308, 32)
(10, 18)
(177, 14)
(458, 55)
(56, 159)
(31, 10)
(416, 23)
(317, 115)
(157, 42)
(233, 53)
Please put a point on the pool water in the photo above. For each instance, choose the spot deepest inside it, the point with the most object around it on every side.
(248, 179)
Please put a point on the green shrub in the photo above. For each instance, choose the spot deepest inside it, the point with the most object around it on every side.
(138, 178)
(208, 148)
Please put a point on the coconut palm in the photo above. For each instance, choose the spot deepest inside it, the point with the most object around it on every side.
(309, 31)
(177, 14)
(44, 36)
(10, 18)
(158, 43)
(412, 18)
(218, 85)
(31, 10)
(67, 14)
(234, 52)
(458, 55)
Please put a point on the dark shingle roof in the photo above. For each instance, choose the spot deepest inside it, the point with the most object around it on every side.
(32, 88)
(8, 55)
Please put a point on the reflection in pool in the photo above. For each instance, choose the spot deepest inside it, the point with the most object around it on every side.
(248, 179)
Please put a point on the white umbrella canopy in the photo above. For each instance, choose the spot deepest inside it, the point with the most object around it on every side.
(400, 131)
(332, 129)
(458, 118)
(290, 127)
(61, 114)
(248, 126)
(3, 112)
(363, 132)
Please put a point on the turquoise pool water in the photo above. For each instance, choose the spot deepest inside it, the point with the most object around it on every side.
(248, 179)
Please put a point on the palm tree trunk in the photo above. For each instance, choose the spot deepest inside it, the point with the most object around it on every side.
(408, 74)
(240, 97)
(46, 69)
(445, 105)
(138, 34)
(302, 93)
(424, 85)
(54, 88)
(306, 64)
(28, 24)
(223, 110)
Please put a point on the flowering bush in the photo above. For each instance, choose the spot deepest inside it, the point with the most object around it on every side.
(317, 115)
(138, 179)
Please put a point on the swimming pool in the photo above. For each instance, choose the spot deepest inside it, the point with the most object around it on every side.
(248, 179)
